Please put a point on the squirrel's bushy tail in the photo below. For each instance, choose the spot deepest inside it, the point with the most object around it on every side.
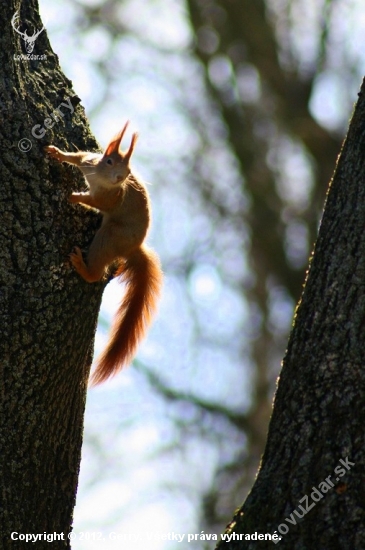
(143, 277)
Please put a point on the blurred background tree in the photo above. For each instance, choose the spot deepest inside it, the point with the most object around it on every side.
(241, 106)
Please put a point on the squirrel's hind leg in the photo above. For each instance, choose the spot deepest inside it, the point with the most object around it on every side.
(101, 254)
(91, 276)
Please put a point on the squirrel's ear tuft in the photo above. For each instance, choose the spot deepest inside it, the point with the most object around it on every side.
(113, 145)
(129, 153)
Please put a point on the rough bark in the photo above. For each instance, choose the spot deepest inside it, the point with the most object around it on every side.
(48, 314)
(318, 416)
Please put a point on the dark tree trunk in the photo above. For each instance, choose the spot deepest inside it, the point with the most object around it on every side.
(48, 314)
(318, 418)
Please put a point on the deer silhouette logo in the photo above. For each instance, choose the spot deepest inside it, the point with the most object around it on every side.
(29, 40)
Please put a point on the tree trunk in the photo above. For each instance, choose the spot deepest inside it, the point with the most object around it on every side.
(48, 314)
(315, 452)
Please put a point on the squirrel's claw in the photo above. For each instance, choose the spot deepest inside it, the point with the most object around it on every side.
(53, 152)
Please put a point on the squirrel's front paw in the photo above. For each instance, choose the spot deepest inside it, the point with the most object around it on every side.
(54, 152)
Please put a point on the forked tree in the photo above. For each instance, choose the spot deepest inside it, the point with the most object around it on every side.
(48, 318)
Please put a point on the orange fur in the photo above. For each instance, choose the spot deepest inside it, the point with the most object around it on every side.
(143, 277)
(124, 203)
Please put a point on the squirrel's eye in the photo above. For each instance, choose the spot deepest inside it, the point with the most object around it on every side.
(109, 161)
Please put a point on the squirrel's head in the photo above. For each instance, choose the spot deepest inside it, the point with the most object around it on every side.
(115, 163)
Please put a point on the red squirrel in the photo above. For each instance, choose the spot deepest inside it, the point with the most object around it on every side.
(124, 202)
